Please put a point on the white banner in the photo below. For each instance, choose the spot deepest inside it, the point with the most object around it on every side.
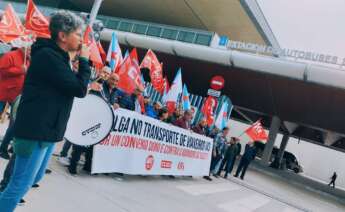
(146, 146)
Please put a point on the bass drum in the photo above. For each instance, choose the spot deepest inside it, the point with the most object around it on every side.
(90, 122)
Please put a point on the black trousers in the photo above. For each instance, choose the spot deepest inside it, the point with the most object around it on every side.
(7, 138)
(228, 164)
(242, 167)
(332, 183)
(8, 173)
(214, 161)
(66, 146)
(77, 151)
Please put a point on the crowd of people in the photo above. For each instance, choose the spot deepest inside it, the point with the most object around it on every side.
(41, 102)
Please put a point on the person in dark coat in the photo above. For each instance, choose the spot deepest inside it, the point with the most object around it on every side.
(127, 101)
(247, 158)
(44, 109)
(219, 147)
(185, 121)
(333, 179)
(177, 114)
(201, 127)
(163, 115)
(230, 157)
(213, 133)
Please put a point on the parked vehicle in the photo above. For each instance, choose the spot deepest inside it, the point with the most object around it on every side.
(290, 161)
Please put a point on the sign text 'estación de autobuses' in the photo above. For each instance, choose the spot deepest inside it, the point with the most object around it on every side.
(142, 145)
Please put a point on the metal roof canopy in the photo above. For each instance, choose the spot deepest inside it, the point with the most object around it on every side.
(237, 19)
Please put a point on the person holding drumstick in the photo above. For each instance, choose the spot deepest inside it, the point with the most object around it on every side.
(46, 103)
(106, 90)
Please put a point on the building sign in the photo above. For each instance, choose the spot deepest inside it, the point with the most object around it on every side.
(223, 40)
(292, 53)
(214, 93)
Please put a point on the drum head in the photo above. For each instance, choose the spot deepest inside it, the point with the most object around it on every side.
(90, 122)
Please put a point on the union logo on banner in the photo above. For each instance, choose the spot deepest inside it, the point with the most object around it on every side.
(149, 162)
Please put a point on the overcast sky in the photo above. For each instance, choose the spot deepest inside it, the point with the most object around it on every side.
(314, 25)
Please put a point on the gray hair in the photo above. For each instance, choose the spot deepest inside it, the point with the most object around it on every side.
(64, 21)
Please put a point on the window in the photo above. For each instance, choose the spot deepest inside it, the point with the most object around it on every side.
(139, 28)
(125, 26)
(169, 34)
(203, 39)
(154, 31)
(111, 24)
(103, 19)
(186, 36)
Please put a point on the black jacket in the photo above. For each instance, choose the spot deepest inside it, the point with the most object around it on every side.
(106, 93)
(249, 153)
(48, 93)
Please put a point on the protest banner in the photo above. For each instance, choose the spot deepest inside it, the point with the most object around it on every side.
(142, 145)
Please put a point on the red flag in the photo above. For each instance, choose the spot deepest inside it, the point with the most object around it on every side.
(208, 108)
(166, 85)
(89, 40)
(129, 73)
(134, 55)
(256, 132)
(10, 26)
(101, 52)
(151, 62)
(36, 21)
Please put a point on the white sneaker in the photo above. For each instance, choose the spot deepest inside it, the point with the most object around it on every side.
(63, 160)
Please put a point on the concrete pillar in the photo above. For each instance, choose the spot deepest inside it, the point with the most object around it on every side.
(291, 127)
(282, 148)
(274, 129)
(329, 138)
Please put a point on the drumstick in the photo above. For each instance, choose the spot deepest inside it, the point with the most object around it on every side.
(100, 77)
(25, 52)
(96, 80)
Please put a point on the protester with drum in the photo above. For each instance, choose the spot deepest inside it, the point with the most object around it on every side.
(105, 91)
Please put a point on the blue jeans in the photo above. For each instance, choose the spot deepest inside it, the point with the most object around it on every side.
(27, 171)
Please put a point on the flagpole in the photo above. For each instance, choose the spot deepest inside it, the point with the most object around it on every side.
(94, 11)
(25, 52)
(242, 134)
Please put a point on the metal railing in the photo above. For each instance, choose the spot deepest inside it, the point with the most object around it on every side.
(195, 100)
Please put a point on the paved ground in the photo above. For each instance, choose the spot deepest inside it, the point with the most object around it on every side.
(63, 192)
